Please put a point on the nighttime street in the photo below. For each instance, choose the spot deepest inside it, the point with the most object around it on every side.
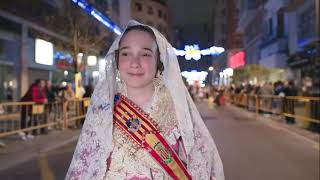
(160, 89)
(250, 149)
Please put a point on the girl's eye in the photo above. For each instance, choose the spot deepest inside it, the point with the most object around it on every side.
(124, 54)
(147, 55)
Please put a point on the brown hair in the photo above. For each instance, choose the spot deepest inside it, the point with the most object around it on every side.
(145, 29)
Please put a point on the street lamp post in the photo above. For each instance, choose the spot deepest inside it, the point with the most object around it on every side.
(211, 69)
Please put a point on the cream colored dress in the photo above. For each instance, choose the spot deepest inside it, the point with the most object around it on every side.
(129, 161)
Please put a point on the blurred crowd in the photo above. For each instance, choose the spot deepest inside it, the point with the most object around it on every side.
(274, 99)
(278, 88)
(44, 92)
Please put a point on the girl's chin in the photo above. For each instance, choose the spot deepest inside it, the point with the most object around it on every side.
(137, 85)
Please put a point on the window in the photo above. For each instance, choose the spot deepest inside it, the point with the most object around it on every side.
(150, 10)
(138, 6)
(280, 24)
(270, 26)
(306, 24)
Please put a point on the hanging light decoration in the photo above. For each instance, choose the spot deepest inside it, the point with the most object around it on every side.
(190, 51)
(194, 52)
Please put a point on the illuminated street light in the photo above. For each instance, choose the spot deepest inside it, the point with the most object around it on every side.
(79, 58)
(65, 73)
(92, 60)
(211, 68)
(228, 72)
(193, 76)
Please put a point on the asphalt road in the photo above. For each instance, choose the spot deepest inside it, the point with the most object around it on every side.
(250, 150)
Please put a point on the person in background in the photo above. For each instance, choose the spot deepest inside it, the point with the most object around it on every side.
(51, 93)
(39, 92)
(289, 90)
(266, 102)
(69, 93)
(39, 97)
(88, 90)
(80, 91)
(69, 103)
(9, 93)
(35, 93)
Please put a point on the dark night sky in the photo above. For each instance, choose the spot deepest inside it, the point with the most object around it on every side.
(190, 16)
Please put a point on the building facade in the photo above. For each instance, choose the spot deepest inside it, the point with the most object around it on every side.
(304, 45)
(251, 15)
(273, 47)
(226, 17)
(23, 23)
(283, 35)
(154, 13)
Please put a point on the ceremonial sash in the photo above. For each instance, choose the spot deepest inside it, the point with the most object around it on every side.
(142, 130)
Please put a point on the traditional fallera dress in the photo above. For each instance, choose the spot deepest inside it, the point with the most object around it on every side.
(165, 140)
(129, 161)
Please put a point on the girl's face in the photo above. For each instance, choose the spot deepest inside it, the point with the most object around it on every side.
(138, 59)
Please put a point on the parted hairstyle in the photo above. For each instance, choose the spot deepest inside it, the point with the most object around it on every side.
(151, 33)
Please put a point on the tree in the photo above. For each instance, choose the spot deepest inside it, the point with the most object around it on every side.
(87, 35)
(251, 71)
(84, 33)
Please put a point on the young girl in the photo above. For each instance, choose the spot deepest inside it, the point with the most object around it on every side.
(142, 122)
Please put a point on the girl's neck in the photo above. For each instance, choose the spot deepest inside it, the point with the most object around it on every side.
(141, 96)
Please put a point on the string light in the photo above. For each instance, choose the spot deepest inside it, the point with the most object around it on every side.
(194, 52)
(97, 15)
(190, 51)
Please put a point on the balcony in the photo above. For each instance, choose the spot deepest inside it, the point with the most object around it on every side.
(278, 60)
(273, 46)
(273, 53)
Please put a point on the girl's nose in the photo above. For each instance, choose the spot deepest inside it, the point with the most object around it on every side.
(135, 62)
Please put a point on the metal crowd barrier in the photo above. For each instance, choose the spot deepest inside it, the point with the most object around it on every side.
(35, 118)
(294, 108)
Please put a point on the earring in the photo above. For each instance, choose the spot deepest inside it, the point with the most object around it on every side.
(118, 75)
(157, 81)
(121, 85)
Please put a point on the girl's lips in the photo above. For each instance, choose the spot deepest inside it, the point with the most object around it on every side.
(135, 74)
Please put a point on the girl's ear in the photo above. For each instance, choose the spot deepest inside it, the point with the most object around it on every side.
(159, 63)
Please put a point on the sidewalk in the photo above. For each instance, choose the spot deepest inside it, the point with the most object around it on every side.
(17, 151)
(279, 124)
(274, 122)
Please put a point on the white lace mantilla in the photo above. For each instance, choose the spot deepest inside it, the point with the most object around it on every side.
(179, 119)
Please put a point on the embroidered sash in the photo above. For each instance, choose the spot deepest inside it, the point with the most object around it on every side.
(142, 130)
